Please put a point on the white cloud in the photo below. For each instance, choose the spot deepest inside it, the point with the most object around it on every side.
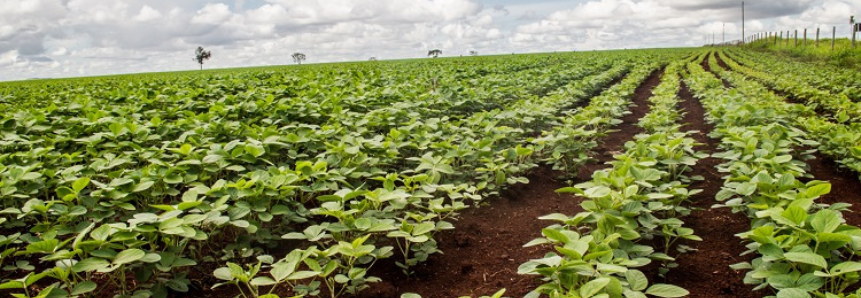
(212, 14)
(8, 58)
(61, 51)
(147, 14)
(44, 38)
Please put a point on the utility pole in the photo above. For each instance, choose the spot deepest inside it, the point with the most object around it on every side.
(742, 21)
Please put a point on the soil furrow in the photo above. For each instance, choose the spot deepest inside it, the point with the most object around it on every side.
(705, 272)
(721, 62)
(482, 254)
(614, 142)
(707, 67)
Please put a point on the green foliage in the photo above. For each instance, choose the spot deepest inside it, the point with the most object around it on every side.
(803, 248)
(843, 54)
(285, 179)
(640, 197)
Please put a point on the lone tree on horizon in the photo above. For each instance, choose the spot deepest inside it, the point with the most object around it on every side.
(200, 55)
(298, 58)
(435, 53)
(473, 53)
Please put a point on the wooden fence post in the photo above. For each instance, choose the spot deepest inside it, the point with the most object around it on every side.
(796, 38)
(805, 37)
(833, 36)
(775, 39)
(853, 35)
(817, 37)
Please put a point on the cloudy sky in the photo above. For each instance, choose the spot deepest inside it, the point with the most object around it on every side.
(63, 38)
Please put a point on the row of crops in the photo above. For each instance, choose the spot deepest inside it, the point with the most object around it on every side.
(634, 210)
(641, 198)
(802, 248)
(838, 134)
(294, 180)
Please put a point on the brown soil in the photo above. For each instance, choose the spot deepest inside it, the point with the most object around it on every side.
(705, 272)
(482, 254)
(721, 62)
(614, 142)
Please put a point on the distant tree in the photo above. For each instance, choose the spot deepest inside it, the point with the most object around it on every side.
(298, 58)
(200, 55)
(435, 53)
(473, 53)
(373, 59)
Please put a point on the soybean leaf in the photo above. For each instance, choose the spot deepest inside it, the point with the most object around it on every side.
(666, 291)
(792, 293)
(593, 287)
(825, 221)
(83, 288)
(807, 258)
(128, 256)
(637, 280)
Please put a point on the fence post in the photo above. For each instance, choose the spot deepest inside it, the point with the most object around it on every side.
(805, 37)
(775, 39)
(787, 38)
(796, 38)
(853, 35)
(817, 37)
(833, 36)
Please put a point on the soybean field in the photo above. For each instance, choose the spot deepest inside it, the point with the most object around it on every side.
(698, 172)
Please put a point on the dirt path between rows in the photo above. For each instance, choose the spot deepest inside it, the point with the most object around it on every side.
(707, 67)
(482, 254)
(614, 142)
(705, 272)
(721, 62)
